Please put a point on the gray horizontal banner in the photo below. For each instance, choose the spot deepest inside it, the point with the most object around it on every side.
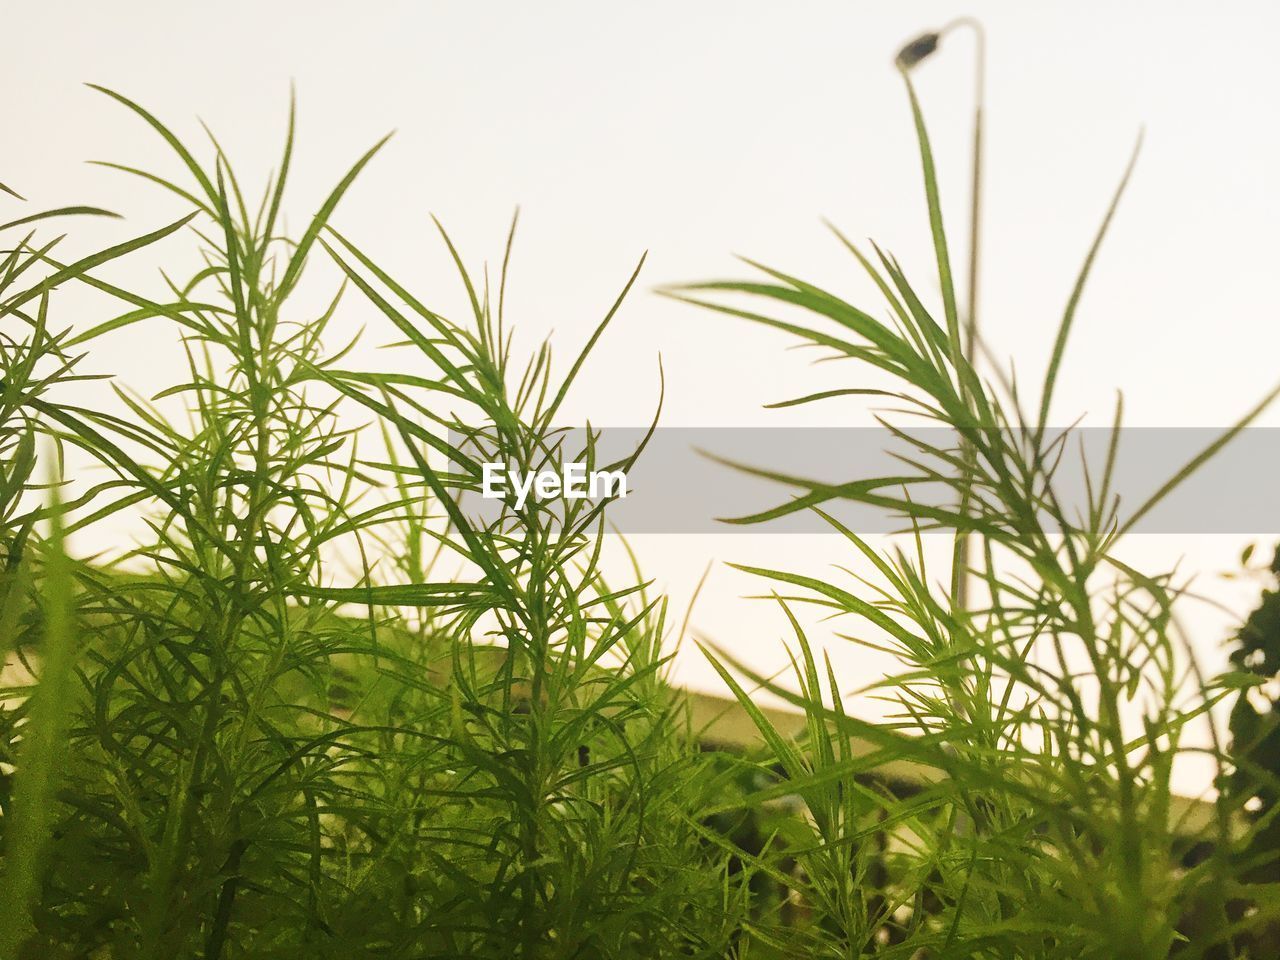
(682, 484)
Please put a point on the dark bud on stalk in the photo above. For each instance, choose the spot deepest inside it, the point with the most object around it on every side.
(917, 50)
(584, 755)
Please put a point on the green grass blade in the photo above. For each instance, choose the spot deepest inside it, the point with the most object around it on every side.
(41, 753)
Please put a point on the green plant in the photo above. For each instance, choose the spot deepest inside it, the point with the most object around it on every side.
(1046, 719)
(566, 770)
(1254, 754)
(325, 708)
(35, 590)
(35, 365)
(274, 753)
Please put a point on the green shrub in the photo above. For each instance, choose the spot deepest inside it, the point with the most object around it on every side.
(1045, 718)
(321, 710)
(264, 760)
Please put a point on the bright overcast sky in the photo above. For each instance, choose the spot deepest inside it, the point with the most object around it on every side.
(700, 130)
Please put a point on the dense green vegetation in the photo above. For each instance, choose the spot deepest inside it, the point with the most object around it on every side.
(320, 711)
(1254, 784)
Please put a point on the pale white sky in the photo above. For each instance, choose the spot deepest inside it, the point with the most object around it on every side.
(696, 131)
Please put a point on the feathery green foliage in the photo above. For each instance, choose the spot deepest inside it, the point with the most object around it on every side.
(1050, 714)
(283, 745)
(321, 709)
